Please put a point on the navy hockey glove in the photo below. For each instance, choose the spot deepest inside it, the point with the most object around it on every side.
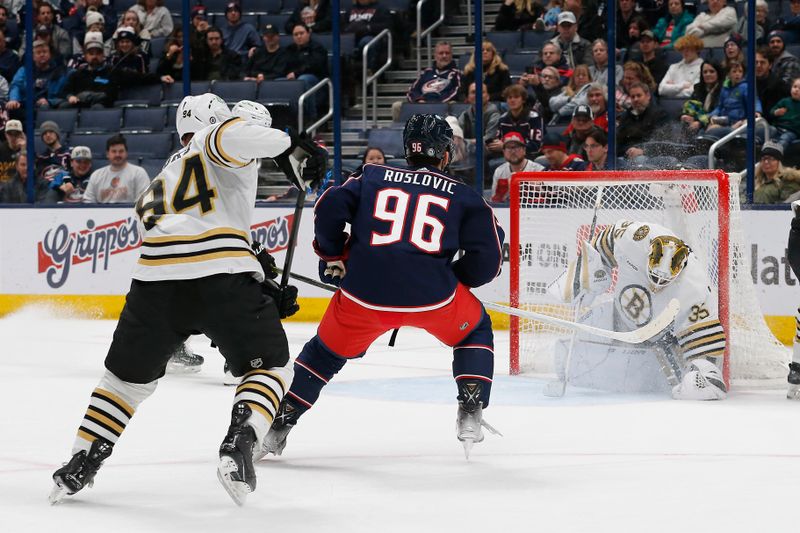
(331, 272)
(285, 299)
(266, 260)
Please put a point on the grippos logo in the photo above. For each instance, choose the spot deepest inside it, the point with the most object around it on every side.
(274, 233)
(61, 249)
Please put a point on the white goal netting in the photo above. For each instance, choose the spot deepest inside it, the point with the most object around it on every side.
(552, 211)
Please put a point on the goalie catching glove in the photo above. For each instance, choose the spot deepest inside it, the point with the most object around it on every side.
(304, 163)
(587, 277)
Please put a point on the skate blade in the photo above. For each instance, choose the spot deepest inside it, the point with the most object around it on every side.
(237, 490)
(57, 494)
(182, 369)
(468, 444)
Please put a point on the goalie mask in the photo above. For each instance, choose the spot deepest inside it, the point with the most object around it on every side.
(668, 257)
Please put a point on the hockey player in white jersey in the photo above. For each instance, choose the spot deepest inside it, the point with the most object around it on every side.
(793, 251)
(652, 267)
(197, 273)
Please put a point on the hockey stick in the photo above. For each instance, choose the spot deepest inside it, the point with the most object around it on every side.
(557, 388)
(298, 213)
(637, 336)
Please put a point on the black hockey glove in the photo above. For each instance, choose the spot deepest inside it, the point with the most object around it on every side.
(285, 299)
(266, 260)
(304, 163)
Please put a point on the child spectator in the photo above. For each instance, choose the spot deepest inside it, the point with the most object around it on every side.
(731, 112)
(785, 116)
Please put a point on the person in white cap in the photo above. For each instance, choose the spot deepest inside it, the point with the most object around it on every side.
(14, 141)
(575, 48)
(69, 187)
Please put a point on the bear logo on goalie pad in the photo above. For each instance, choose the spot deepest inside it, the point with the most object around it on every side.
(636, 305)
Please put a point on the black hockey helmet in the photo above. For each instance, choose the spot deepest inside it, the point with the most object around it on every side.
(428, 136)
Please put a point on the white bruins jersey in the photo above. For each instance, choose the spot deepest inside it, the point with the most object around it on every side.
(198, 210)
(626, 247)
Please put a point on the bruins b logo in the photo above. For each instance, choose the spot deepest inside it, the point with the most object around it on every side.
(636, 304)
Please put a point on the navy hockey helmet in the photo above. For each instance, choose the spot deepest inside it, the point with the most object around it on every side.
(427, 135)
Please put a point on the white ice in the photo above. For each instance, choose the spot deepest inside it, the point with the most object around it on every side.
(378, 452)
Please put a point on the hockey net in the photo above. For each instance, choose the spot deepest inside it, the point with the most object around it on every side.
(552, 211)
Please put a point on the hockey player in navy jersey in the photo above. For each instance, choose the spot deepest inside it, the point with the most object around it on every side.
(398, 268)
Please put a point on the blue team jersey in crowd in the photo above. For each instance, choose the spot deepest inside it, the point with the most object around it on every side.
(406, 227)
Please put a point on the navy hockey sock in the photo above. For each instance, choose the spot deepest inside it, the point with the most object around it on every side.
(313, 369)
(473, 360)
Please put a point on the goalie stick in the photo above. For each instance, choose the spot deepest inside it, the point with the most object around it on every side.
(637, 336)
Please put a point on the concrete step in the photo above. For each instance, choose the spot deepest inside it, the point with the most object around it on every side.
(383, 100)
(356, 124)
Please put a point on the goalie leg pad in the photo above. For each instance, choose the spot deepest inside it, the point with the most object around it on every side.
(702, 380)
(313, 369)
(473, 359)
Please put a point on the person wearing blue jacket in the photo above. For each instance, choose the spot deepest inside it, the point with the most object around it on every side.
(49, 80)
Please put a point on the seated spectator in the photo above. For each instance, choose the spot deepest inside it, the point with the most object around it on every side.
(681, 77)
(649, 54)
(197, 34)
(785, 65)
(105, 8)
(551, 56)
(521, 119)
(705, 97)
(155, 18)
(515, 161)
(769, 86)
(438, 84)
(238, 36)
(56, 35)
(596, 148)
(598, 69)
(579, 127)
(462, 164)
(132, 19)
(517, 15)
(591, 24)
(640, 123)
(597, 98)
(491, 118)
(9, 59)
(731, 111)
(554, 147)
(14, 142)
(635, 28)
(572, 96)
(495, 73)
(94, 23)
(715, 25)
(549, 21)
(540, 89)
(672, 27)
(774, 183)
(765, 24)
(54, 153)
(632, 73)
(373, 156)
(268, 62)
(128, 61)
(91, 85)
(575, 49)
(69, 187)
(15, 190)
(366, 19)
(170, 65)
(10, 29)
(119, 181)
(626, 11)
(219, 62)
(740, 28)
(785, 116)
(307, 61)
(788, 24)
(48, 78)
(732, 50)
(319, 20)
(651, 10)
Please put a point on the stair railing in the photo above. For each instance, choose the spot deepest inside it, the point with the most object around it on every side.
(426, 32)
(300, 101)
(373, 79)
(712, 159)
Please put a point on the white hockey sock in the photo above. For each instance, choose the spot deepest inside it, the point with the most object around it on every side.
(110, 409)
(263, 390)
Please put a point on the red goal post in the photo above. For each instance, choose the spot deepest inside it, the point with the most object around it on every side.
(553, 210)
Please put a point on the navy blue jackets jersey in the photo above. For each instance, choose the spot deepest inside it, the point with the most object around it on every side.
(406, 227)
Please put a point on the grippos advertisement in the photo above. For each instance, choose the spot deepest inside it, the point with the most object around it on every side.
(93, 251)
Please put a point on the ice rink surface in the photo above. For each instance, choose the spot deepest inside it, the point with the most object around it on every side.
(378, 453)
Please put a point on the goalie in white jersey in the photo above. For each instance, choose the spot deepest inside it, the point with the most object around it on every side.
(197, 273)
(653, 266)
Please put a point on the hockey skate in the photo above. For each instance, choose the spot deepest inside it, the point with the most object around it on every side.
(79, 472)
(794, 382)
(229, 379)
(469, 421)
(275, 441)
(235, 470)
(183, 361)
